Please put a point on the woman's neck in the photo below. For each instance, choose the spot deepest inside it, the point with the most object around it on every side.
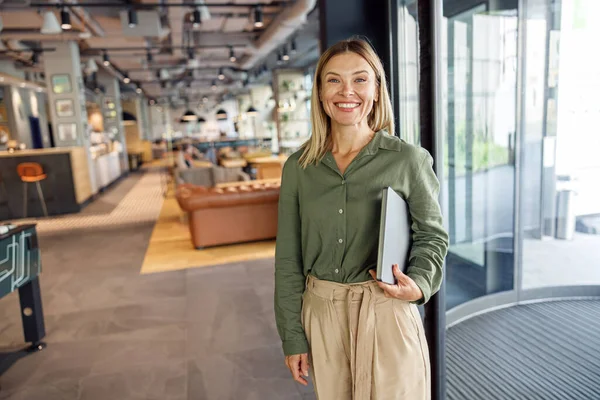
(349, 139)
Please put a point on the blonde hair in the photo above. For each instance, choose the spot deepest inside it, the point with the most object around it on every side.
(381, 116)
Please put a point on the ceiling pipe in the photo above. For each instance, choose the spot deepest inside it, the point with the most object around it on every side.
(279, 30)
(37, 36)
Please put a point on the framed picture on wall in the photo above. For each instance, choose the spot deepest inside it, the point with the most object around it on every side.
(67, 131)
(61, 84)
(65, 108)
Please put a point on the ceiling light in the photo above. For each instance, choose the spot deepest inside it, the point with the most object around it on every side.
(138, 90)
(201, 120)
(50, 25)
(196, 18)
(293, 48)
(221, 75)
(205, 99)
(189, 115)
(65, 19)
(232, 55)
(252, 111)
(214, 85)
(126, 79)
(132, 18)
(221, 114)
(258, 17)
(105, 59)
(286, 56)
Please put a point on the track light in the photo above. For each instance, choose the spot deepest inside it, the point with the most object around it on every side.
(105, 59)
(132, 18)
(293, 48)
(126, 79)
(214, 85)
(286, 56)
(65, 19)
(231, 54)
(205, 99)
(279, 58)
(138, 90)
(221, 75)
(196, 18)
(258, 17)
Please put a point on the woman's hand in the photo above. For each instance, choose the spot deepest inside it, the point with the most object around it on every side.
(298, 365)
(405, 288)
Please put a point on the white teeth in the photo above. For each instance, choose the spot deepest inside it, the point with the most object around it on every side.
(347, 105)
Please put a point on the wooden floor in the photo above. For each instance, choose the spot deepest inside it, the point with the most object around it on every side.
(171, 248)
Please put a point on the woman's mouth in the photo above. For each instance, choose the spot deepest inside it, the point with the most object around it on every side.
(347, 106)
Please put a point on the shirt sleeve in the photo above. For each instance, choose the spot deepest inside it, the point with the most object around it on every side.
(289, 276)
(430, 239)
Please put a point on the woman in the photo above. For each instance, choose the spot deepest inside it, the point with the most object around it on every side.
(359, 338)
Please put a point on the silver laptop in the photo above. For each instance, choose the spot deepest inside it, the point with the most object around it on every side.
(395, 235)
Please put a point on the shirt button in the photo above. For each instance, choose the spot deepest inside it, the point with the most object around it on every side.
(341, 211)
(337, 270)
(343, 181)
(341, 240)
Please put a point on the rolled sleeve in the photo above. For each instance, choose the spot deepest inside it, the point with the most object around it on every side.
(289, 276)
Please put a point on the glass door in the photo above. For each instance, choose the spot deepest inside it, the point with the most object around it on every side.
(480, 100)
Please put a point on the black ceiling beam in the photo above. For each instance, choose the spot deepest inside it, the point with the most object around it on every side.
(100, 50)
(142, 6)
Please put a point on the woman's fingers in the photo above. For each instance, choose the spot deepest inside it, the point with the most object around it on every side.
(294, 364)
(304, 364)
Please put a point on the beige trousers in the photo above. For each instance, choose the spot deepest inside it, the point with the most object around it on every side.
(364, 346)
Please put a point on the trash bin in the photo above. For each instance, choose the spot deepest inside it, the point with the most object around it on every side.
(565, 208)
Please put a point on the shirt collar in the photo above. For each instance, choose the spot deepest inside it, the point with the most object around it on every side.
(382, 140)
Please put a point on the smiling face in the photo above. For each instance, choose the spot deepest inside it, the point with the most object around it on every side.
(348, 89)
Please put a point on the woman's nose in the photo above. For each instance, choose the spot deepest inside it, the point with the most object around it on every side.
(347, 89)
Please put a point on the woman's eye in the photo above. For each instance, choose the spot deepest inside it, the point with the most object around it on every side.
(361, 80)
(333, 80)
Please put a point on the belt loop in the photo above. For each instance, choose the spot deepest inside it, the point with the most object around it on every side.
(332, 295)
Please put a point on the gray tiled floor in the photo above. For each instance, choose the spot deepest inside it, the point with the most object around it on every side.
(112, 333)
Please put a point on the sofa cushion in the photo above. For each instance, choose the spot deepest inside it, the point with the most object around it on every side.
(192, 198)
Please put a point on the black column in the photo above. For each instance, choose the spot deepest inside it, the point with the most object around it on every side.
(342, 19)
(429, 106)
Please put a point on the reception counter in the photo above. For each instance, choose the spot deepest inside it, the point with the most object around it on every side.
(66, 189)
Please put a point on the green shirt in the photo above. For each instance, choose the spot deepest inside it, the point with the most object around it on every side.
(329, 224)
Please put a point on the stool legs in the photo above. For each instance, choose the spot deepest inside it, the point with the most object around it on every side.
(24, 199)
(41, 194)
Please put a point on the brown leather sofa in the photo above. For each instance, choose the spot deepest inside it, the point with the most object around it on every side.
(230, 215)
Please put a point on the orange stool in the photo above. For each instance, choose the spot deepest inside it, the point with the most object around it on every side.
(31, 172)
